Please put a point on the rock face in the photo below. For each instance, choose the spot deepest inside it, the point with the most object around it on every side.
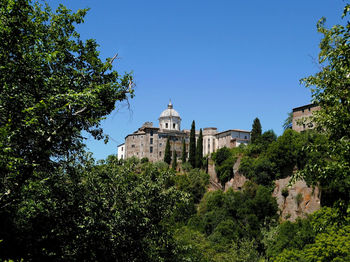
(238, 180)
(301, 199)
(236, 183)
(213, 178)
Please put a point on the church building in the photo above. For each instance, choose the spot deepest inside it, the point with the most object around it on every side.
(149, 141)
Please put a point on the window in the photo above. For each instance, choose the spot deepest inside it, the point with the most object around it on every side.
(122, 148)
(151, 141)
(160, 153)
(166, 125)
(160, 144)
(151, 132)
(174, 125)
(133, 146)
(245, 137)
(151, 149)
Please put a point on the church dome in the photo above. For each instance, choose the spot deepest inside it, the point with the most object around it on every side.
(170, 119)
(170, 112)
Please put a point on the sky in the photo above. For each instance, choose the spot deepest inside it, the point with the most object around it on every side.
(222, 63)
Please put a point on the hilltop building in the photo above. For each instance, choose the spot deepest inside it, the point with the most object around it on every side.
(301, 117)
(149, 141)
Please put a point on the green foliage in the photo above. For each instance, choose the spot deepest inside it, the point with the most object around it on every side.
(330, 90)
(269, 159)
(53, 85)
(284, 152)
(167, 152)
(194, 182)
(95, 212)
(290, 236)
(184, 153)
(256, 131)
(192, 147)
(298, 199)
(230, 216)
(144, 160)
(224, 159)
(186, 166)
(323, 236)
(174, 160)
(199, 150)
(285, 192)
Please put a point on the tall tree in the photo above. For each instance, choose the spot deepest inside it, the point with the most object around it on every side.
(256, 131)
(167, 153)
(53, 85)
(192, 149)
(330, 90)
(184, 153)
(174, 160)
(199, 150)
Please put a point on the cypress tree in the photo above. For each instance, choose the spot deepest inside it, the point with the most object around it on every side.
(184, 154)
(167, 153)
(256, 131)
(174, 164)
(199, 150)
(192, 149)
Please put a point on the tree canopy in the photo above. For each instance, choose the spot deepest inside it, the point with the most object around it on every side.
(53, 86)
(256, 131)
(192, 146)
(330, 90)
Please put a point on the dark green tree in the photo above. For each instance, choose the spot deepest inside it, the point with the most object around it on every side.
(167, 153)
(174, 160)
(256, 131)
(184, 153)
(192, 148)
(53, 86)
(89, 212)
(199, 150)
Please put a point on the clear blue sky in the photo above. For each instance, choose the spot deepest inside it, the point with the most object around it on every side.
(221, 62)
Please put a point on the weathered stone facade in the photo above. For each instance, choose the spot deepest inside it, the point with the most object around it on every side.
(301, 117)
(149, 141)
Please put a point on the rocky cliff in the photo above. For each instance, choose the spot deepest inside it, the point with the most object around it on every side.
(297, 200)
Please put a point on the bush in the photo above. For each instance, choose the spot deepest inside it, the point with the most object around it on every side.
(195, 183)
(144, 160)
(224, 160)
(285, 192)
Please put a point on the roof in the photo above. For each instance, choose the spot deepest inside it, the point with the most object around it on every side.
(169, 112)
(233, 130)
(304, 107)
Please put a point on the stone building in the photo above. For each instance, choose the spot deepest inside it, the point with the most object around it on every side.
(149, 141)
(301, 117)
